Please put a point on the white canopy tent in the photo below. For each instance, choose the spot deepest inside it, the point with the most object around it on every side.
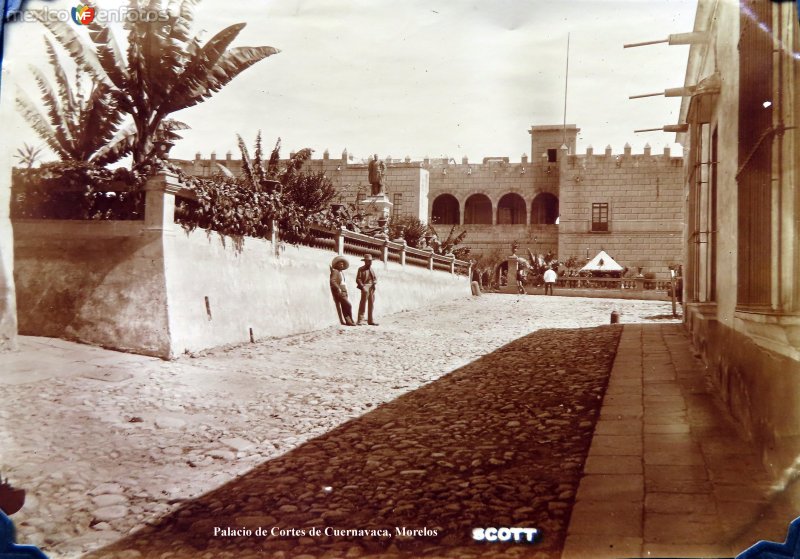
(602, 263)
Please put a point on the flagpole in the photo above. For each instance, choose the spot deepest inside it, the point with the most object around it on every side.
(566, 81)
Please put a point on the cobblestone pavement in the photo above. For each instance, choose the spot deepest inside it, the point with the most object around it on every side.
(499, 442)
(107, 442)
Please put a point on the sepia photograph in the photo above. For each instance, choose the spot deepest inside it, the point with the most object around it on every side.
(324, 279)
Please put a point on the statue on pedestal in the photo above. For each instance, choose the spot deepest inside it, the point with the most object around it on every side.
(377, 170)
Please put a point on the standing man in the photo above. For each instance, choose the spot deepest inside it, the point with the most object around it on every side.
(339, 291)
(521, 275)
(550, 278)
(366, 280)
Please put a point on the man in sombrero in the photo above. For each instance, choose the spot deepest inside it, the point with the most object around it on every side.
(339, 290)
(365, 281)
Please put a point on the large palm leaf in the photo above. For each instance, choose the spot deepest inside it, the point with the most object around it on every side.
(164, 69)
(40, 124)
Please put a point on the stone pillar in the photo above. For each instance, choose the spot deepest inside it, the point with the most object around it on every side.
(340, 241)
(385, 253)
(430, 259)
(453, 265)
(403, 254)
(275, 238)
(159, 202)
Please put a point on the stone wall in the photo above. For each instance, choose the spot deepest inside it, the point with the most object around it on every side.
(644, 193)
(539, 239)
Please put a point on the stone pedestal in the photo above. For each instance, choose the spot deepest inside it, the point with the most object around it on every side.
(375, 208)
(511, 278)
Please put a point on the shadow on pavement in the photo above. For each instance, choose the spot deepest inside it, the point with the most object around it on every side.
(498, 442)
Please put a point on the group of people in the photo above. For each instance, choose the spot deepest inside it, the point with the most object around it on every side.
(550, 279)
(365, 281)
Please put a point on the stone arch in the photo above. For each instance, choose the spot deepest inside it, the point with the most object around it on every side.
(478, 210)
(512, 210)
(544, 209)
(446, 210)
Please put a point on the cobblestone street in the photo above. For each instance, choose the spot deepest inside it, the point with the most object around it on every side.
(499, 442)
(106, 443)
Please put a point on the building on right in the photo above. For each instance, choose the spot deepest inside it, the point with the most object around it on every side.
(742, 228)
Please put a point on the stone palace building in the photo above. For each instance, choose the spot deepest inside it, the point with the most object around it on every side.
(573, 205)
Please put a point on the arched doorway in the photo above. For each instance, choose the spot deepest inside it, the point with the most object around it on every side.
(544, 210)
(511, 210)
(478, 210)
(445, 210)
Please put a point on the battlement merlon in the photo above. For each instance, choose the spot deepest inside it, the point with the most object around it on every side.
(624, 159)
(494, 164)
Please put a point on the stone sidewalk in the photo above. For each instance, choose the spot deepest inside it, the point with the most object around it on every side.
(667, 474)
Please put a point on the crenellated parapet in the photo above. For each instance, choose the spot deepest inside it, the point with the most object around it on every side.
(625, 157)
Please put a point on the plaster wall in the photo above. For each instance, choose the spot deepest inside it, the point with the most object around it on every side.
(163, 293)
(753, 355)
(97, 282)
(8, 305)
(249, 287)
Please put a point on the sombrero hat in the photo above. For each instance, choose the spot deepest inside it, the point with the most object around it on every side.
(338, 259)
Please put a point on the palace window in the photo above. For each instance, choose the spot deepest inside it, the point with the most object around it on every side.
(397, 201)
(600, 217)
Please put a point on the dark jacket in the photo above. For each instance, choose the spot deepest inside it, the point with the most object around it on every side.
(366, 276)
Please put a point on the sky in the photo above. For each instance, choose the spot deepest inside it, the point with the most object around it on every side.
(418, 78)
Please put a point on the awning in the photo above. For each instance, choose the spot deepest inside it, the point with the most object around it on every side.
(602, 263)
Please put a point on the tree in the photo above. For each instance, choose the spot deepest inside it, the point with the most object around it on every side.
(411, 228)
(448, 246)
(164, 70)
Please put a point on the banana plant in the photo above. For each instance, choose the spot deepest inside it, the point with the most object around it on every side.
(75, 126)
(164, 68)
